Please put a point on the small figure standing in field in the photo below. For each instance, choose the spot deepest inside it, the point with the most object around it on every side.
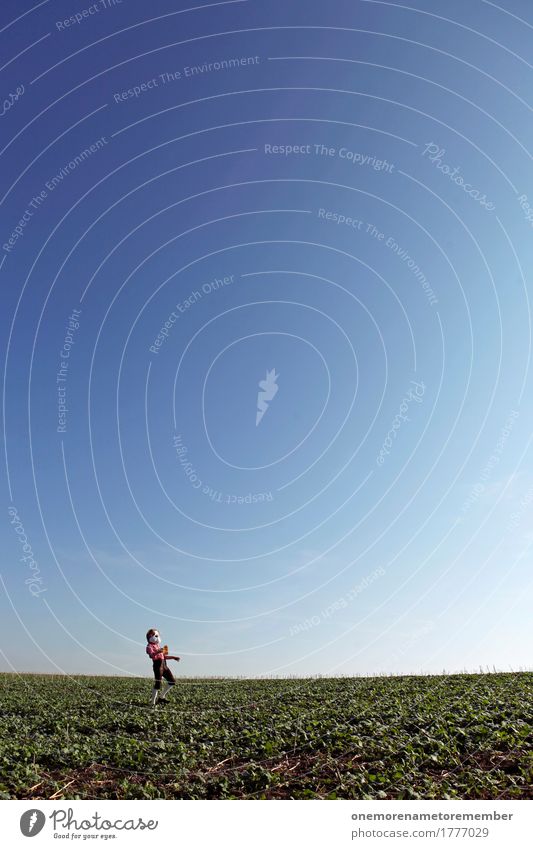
(159, 656)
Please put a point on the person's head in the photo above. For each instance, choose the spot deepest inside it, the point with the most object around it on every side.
(152, 636)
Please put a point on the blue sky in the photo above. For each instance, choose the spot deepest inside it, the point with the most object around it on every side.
(194, 196)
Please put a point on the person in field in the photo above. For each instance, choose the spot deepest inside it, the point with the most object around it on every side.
(157, 654)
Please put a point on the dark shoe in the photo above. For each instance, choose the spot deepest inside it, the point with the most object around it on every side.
(161, 701)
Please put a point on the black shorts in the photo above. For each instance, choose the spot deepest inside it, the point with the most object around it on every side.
(161, 670)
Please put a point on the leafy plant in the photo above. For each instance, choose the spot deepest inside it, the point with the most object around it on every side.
(430, 737)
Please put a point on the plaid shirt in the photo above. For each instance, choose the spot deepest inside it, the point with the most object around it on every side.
(153, 650)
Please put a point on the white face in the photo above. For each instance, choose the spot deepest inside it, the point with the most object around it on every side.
(155, 638)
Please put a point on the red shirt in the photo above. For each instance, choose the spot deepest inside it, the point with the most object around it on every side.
(153, 650)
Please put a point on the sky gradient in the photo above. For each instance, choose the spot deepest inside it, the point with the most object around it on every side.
(334, 200)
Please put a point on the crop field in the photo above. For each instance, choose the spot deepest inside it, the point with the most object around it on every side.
(430, 737)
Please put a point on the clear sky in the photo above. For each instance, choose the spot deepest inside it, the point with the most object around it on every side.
(333, 199)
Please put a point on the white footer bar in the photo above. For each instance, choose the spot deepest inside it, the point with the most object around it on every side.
(266, 824)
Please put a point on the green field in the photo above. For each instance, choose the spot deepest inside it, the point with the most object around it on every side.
(431, 737)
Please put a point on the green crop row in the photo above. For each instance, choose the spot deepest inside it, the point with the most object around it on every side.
(430, 737)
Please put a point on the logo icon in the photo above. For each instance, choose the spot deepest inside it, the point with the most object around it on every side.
(268, 388)
(32, 822)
